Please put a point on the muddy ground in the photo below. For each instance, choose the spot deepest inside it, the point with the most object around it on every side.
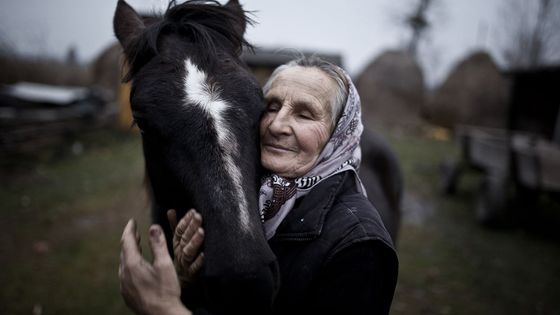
(62, 212)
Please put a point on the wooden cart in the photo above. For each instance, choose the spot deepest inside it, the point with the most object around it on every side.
(517, 163)
(515, 167)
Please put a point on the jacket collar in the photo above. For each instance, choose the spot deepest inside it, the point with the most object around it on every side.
(305, 221)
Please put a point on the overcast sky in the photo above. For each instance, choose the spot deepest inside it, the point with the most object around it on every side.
(358, 29)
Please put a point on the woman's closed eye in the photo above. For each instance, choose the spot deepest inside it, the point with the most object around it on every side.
(272, 107)
(307, 115)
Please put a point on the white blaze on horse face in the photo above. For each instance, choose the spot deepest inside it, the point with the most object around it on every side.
(202, 94)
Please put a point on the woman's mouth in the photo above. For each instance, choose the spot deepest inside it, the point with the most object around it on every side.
(276, 147)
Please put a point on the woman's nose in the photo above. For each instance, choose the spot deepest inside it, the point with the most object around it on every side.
(280, 124)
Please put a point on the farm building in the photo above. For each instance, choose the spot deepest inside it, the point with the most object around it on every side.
(106, 72)
(33, 115)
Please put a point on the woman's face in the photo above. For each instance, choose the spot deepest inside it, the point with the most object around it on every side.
(297, 122)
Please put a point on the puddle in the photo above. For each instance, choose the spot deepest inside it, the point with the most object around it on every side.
(415, 210)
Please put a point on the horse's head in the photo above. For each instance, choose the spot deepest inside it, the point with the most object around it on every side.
(200, 29)
(198, 108)
(190, 52)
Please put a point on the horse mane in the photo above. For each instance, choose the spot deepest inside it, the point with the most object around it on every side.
(204, 22)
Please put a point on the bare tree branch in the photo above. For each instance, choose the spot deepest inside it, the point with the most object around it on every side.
(531, 37)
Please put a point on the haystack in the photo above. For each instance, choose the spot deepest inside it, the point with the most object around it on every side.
(475, 93)
(392, 90)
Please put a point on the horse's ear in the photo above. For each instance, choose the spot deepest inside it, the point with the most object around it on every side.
(126, 23)
(238, 9)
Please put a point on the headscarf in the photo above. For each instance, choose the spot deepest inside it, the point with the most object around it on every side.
(342, 153)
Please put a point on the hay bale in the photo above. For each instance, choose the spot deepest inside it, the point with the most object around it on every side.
(106, 69)
(42, 70)
(392, 90)
(474, 93)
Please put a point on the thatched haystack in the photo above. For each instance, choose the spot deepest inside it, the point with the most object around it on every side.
(475, 93)
(392, 90)
(106, 69)
(42, 70)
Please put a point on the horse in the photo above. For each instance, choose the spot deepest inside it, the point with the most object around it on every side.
(382, 178)
(198, 109)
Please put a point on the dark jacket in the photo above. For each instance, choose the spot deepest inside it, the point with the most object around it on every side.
(334, 253)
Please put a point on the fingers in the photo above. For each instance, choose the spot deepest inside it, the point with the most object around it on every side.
(130, 249)
(189, 259)
(172, 218)
(159, 247)
(197, 264)
(192, 248)
(182, 226)
(121, 265)
(192, 227)
(138, 242)
(148, 288)
(185, 230)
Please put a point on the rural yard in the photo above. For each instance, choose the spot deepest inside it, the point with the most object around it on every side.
(465, 92)
(62, 212)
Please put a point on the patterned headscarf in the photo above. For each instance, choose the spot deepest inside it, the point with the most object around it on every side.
(341, 153)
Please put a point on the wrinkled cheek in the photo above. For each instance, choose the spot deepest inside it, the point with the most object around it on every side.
(268, 157)
(321, 138)
(262, 128)
(265, 156)
(264, 123)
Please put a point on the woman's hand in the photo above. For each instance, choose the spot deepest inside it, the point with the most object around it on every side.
(148, 288)
(187, 241)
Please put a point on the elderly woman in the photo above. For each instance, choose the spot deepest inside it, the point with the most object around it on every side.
(335, 255)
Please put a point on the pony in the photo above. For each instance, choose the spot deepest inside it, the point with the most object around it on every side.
(198, 108)
(382, 177)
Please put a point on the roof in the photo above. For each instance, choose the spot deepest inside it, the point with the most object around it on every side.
(276, 57)
(42, 93)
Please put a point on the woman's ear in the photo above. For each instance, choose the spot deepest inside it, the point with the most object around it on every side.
(127, 24)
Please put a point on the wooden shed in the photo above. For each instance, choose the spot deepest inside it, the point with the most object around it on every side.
(107, 70)
(263, 61)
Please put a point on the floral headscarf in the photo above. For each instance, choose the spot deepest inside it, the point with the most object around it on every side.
(342, 153)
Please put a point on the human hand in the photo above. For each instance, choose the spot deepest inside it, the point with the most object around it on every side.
(148, 288)
(188, 237)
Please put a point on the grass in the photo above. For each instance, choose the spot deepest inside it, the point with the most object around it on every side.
(62, 216)
(452, 265)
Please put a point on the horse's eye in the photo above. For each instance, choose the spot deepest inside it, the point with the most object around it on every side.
(135, 124)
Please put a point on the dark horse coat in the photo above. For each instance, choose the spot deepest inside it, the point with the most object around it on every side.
(381, 175)
(198, 108)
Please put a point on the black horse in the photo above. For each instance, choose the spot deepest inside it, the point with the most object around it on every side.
(381, 175)
(198, 109)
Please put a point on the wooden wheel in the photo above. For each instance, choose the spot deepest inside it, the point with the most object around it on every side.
(492, 200)
(450, 170)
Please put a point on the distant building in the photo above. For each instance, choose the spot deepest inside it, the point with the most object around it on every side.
(477, 92)
(34, 115)
(264, 60)
(534, 104)
(106, 71)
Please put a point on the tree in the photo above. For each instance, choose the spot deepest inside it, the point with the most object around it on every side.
(418, 23)
(7, 48)
(531, 32)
